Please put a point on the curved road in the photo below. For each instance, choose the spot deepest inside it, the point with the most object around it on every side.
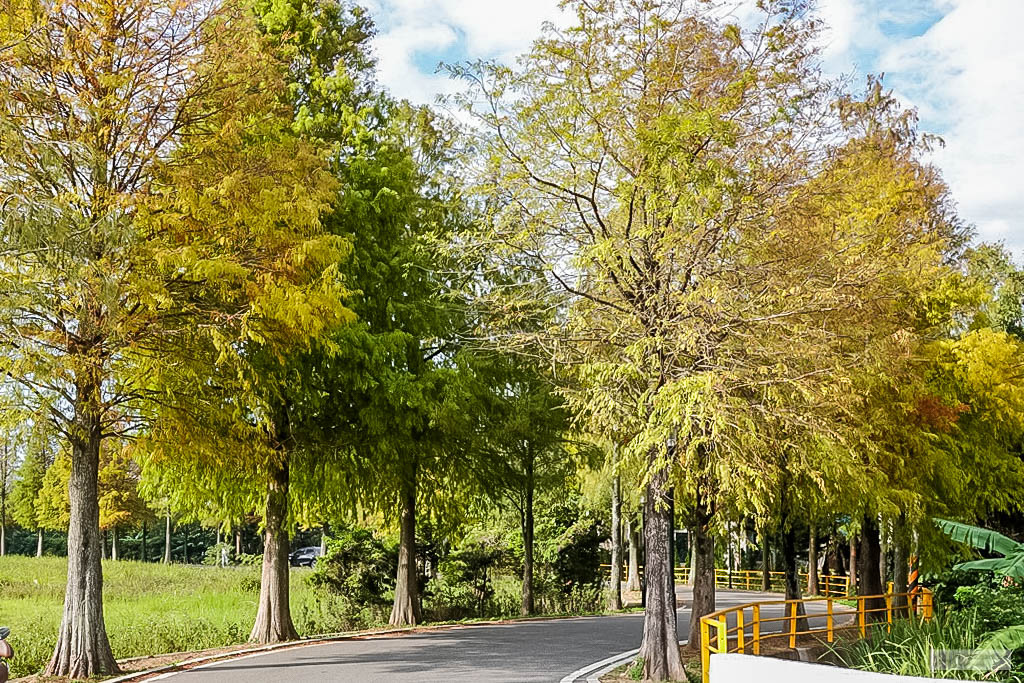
(516, 652)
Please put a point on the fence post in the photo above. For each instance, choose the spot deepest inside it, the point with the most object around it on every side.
(741, 636)
(830, 623)
(792, 625)
(756, 634)
(705, 649)
(722, 642)
(860, 616)
(888, 612)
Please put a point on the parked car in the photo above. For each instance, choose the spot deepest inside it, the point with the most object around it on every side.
(304, 557)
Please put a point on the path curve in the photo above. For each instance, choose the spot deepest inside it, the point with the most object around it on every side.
(516, 652)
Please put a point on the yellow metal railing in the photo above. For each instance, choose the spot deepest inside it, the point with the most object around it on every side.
(737, 629)
(829, 585)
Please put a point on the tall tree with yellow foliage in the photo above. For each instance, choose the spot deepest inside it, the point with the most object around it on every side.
(151, 190)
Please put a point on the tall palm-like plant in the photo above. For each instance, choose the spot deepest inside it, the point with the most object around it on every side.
(1010, 564)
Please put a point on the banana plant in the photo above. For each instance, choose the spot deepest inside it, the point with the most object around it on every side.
(1010, 564)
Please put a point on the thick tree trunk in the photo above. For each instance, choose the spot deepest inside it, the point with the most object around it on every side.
(766, 576)
(406, 610)
(527, 606)
(792, 574)
(113, 544)
(83, 649)
(870, 581)
(39, 542)
(273, 616)
(167, 540)
(615, 597)
(703, 568)
(812, 563)
(633, 574)
(660, 648)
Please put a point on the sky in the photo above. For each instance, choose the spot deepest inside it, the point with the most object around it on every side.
(960, 63)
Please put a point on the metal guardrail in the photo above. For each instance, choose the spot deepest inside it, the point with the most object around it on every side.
(746, 621)
(829, 585)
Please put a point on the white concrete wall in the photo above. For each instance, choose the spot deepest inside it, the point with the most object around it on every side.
(748, 668)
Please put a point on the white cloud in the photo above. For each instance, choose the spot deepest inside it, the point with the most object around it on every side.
(958, 61)
(415, 34)
(964, 75)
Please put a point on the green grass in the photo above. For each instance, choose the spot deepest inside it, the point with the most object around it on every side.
(149, 608)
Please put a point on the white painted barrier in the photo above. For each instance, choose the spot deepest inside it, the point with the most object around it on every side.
(734, 668)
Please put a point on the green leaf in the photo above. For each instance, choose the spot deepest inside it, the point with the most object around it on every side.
(978, 537)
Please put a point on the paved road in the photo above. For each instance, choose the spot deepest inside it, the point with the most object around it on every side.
(517, 652)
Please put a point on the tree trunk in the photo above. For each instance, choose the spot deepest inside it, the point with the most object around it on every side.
(3, 537)
(660, 648)
(83, 649)
(39, 542)
(167, 540)
(113, 544)
(883, 554)
(812, 563)
(900, 563)
(274, 617)
(238, 542)
(615, 600)
(852, 566)
(766, 576)
(323, 540)
(527, 607)
(103, 544)
(633, 575)
(406, 610)
(142, 550)
(792, 574)
(703, 568)
(870, 581)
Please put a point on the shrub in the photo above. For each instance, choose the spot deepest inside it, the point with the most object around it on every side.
(995, 607)
(213, 554)
(464, 586)
(358, 565)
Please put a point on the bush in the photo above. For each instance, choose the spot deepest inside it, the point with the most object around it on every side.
(995, 607)
(214, 553)
(249, 559)
(464, 586)
(358, 566)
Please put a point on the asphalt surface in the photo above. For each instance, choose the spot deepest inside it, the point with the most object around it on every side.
(519, 652)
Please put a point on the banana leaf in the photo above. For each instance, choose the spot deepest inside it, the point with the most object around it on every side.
(978, 537)
(1012, 565)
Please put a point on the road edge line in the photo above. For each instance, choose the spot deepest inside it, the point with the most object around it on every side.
(594, 671)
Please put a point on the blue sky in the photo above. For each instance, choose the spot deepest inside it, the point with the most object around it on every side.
(959, 62)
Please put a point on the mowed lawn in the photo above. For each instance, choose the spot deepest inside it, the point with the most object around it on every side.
(149, 608)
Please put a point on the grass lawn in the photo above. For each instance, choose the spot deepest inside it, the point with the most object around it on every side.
(149, 608)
